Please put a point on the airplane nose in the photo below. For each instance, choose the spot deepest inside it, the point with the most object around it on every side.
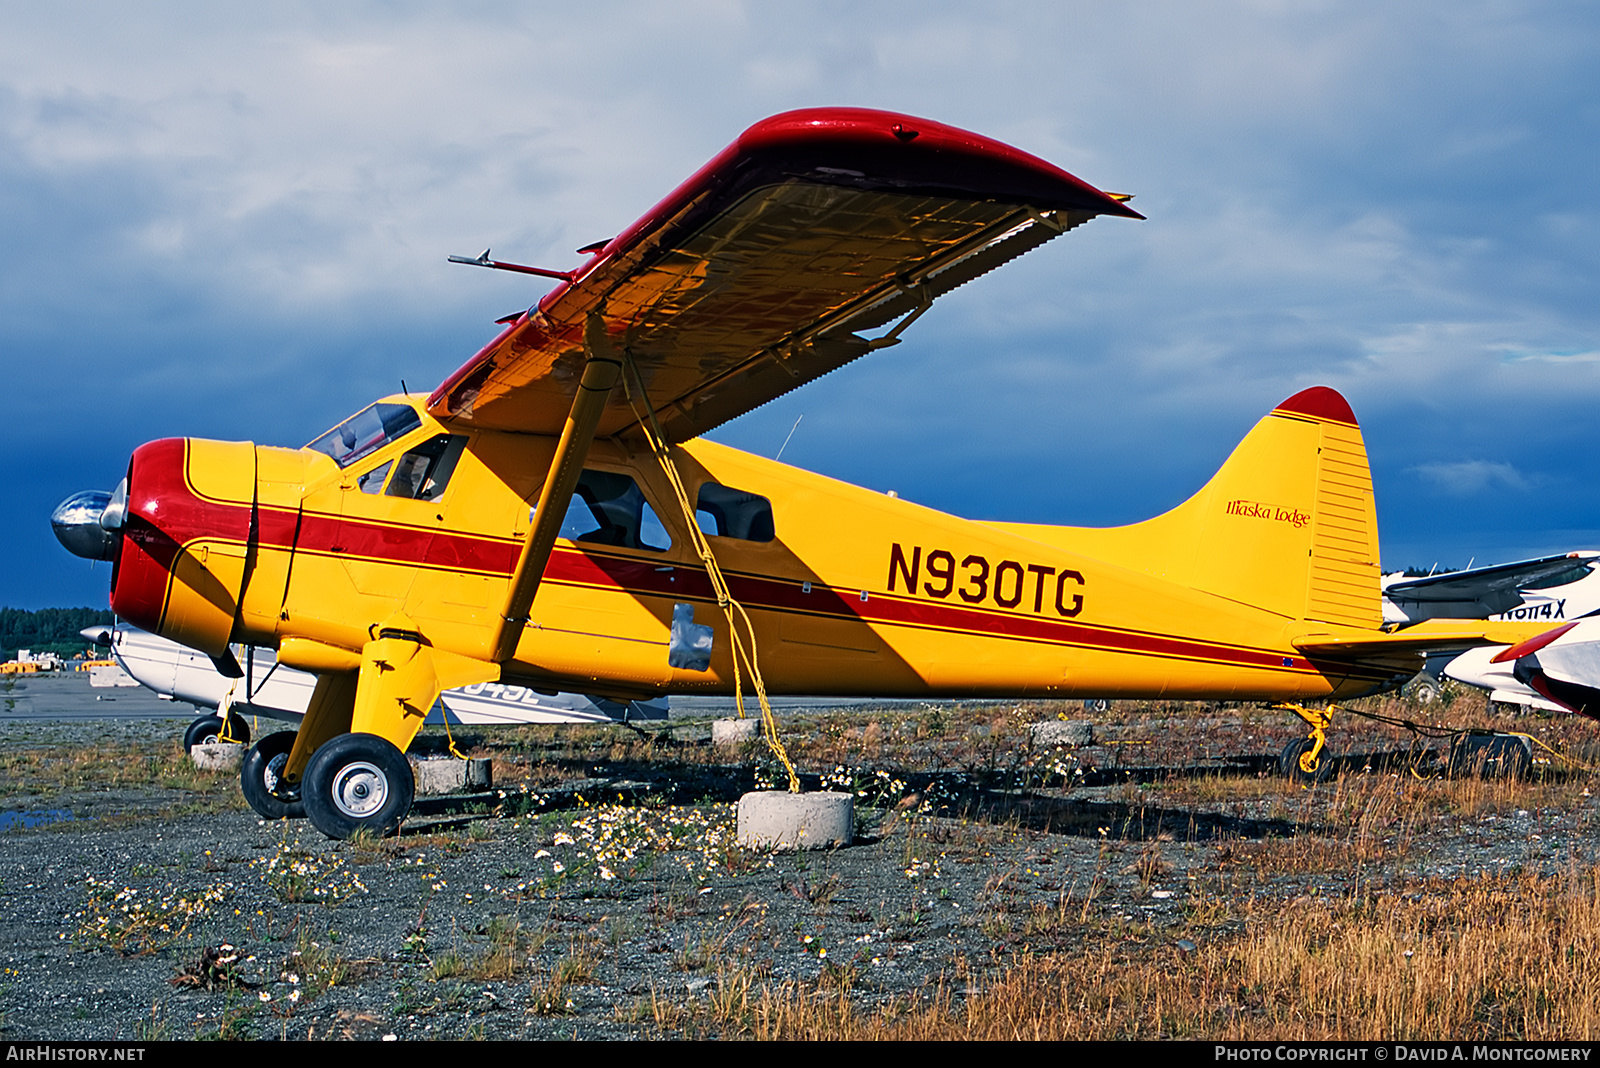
(88, 524)
(98, 635)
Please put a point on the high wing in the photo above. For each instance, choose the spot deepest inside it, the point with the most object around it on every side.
(1484, 591)
(759, 273)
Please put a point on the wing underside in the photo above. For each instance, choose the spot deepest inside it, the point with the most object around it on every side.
(762, 271)
(1487, 590)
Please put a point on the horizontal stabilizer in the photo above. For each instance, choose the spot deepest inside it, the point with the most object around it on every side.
(1438, 635)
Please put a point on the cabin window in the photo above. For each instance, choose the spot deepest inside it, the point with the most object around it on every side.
(609, 509)
(423, 472)
(731, 513)
(367, 431)
(372, 481)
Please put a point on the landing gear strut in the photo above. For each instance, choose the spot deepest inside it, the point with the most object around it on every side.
(1307, 760)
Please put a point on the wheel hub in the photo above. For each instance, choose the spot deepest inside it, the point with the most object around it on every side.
(272, 779)
(360, 789)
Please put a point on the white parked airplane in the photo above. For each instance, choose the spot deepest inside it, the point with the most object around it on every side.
(1477, 667)
(276, 691)
(1555, 588)
(1562, 666)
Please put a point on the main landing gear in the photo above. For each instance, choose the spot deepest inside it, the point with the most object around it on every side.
(1307, 760)
(1472, 752)
(357, 782)
(354, 782)
(261, 774)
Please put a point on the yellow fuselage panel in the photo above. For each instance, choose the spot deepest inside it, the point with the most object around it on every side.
(858, 592)
(864, 593)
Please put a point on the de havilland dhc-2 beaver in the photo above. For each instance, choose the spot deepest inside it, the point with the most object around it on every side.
(550, 516)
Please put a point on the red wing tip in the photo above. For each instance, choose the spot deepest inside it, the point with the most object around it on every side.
(1532, 645)
(1320, 402)
(871, 124)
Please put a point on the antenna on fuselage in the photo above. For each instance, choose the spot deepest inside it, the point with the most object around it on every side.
(785, 444)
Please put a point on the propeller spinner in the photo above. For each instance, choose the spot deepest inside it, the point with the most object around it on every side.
(89, 524)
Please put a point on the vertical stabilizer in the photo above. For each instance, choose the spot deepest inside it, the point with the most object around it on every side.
(1288, 523)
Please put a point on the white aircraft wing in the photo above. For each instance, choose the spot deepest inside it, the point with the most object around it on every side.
(1480, 592)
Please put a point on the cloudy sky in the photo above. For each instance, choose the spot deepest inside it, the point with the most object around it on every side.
(232, 222)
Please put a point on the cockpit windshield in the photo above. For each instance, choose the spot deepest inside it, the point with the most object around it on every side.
(370, 429)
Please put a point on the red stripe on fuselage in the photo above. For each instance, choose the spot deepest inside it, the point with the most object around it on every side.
(651, 578)
(185, 516)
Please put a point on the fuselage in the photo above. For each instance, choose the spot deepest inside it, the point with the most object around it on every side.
(849, 591)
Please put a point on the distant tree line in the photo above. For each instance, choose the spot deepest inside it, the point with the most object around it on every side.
(52, 630)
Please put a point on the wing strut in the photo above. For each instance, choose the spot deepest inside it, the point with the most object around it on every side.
(600, 372)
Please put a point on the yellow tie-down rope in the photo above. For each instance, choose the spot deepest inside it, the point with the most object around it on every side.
(225, 710)
(730, 607)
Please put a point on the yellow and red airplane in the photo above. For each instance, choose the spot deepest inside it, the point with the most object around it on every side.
(543, 515)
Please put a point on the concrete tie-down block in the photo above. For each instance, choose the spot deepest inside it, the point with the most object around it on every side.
(447, 775)
(776, 819)
(1063, 732)
(217, 756)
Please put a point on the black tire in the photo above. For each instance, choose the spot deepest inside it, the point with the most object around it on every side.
(1490, 756)
(209, 729)
(1289, 763)
(258, 778)
(1423, 689)
(357, 782)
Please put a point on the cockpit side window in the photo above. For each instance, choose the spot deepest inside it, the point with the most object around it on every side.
(731, 513)
(423, 472)
(367, 431)
(609, 509)
(372, 481)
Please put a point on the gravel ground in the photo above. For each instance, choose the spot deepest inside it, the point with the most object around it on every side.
(168, 910)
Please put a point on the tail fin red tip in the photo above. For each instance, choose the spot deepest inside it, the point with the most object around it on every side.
(1320, 402)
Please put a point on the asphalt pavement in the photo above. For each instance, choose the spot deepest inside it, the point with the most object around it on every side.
(67, 695)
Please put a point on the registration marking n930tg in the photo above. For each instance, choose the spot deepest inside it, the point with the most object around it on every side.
(975, 579)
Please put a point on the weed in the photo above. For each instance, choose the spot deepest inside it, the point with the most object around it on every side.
(549, 992)
(155, 1028)
(135, 921)
(819, 893)
(298, 875)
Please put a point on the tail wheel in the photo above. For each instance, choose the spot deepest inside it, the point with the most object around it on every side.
(209, 729)
(357, 782)
(1289, 763)
(260, 778)
(1424, 689)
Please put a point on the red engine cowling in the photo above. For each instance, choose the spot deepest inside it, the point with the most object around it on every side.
(182, 567)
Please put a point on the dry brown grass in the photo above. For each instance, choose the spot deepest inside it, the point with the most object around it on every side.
(1486, 960)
